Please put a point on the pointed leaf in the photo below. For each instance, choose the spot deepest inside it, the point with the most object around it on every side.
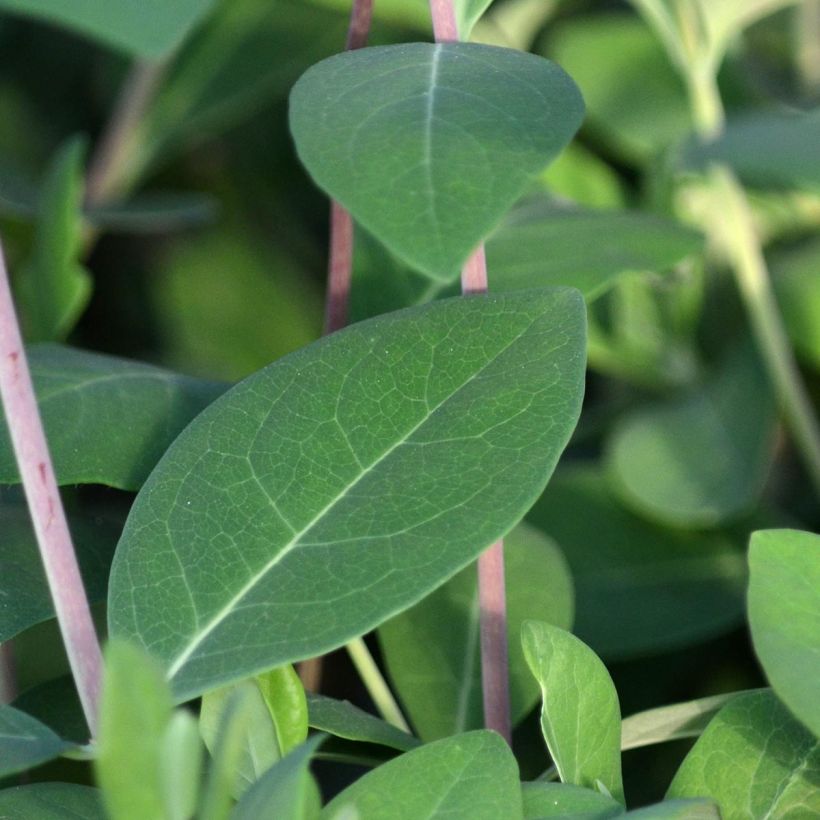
(287, 791)
(432, 650)
(473, 775)
(784, 615)
(87, 400)
(51, 801)
(754, 760)
(150, 28)
(342, 719)
(704, 457)
(281, 523)
(565, 800)
(53, 287)
(135, 711)
(434, 171)
(580, 716)
(25, 742)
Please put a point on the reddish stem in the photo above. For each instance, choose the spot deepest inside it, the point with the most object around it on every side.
(443, 13)
(45, 506)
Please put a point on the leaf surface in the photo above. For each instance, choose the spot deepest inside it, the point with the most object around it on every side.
(784, 615)
(543, 799)
(87, 401)
(150, 28)
(580, 715)
(754, 760)
(282, 522)
(432, 650)
(433, 171)
(25, 742)
(472, 775)
(51, 801)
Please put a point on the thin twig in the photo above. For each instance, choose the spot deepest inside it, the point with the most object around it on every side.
(50, 526)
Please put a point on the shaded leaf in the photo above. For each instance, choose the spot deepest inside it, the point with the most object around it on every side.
(432, 650)
(639, 587)
(155, 212)
(472, 775)
(25, 742)
(754, 760)
(343, 719)
(51, 801)
(400, 168)
(701, 458)
(151, 28)
(87, 400)
(279, 525)
(784, 615)
(580, 715)
(565, 800)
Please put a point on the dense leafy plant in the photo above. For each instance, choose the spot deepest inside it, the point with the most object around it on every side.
(298, 496)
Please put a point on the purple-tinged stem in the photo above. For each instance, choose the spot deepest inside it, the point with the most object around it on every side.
(45, 506)
(445, 29)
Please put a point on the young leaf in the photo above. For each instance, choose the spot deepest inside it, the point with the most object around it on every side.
(704, 457)
(180, 765)
(51, 801)
(342, 719)
(472, 775)
(278, 722)
(24, 594)
(468, 13)
(151, 28)
(673, 722)
(753, 760)
(432, 650)
(280, 525)
(53, 287)
(135, 711)
(639, 588)
(287, 791)
(565, 800)
(784, 615)
(87, 400)
(580, 716)
(431, 174)
(25, 742)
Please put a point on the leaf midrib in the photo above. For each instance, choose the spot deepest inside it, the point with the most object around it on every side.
(178, 663)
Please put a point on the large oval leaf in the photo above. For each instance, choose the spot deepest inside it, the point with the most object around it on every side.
(339, 485)
(429, 145)
(107, 420)
(784, 615)
(432, 650)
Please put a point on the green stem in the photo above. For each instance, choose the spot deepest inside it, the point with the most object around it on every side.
(741, 244)
(375, 683)
(704, 98)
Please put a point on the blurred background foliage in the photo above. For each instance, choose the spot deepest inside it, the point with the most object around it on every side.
(208, 256)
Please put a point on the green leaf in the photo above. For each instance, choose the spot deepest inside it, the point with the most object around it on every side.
(784, 615)
(546, 244)
(472, 775)
(51, 801)
(580, 716)
(678, 810)
(432, 173)
(53, 287)
(151, 28)
(468, 13)
(135, 711)
(87, 400)
(55, 702)
(754, 760)
(342, 719)
(639, 588)
(565, 800)
(701, 458)
(287, 791)
(432, 650)
(795, 280)
(768, 149)
(25, 742)
(25, 599)
(278, 723)
(665, 723)
(583, 178)
(180, 765)
(637, 103)
(279, 524)
(154, 213)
